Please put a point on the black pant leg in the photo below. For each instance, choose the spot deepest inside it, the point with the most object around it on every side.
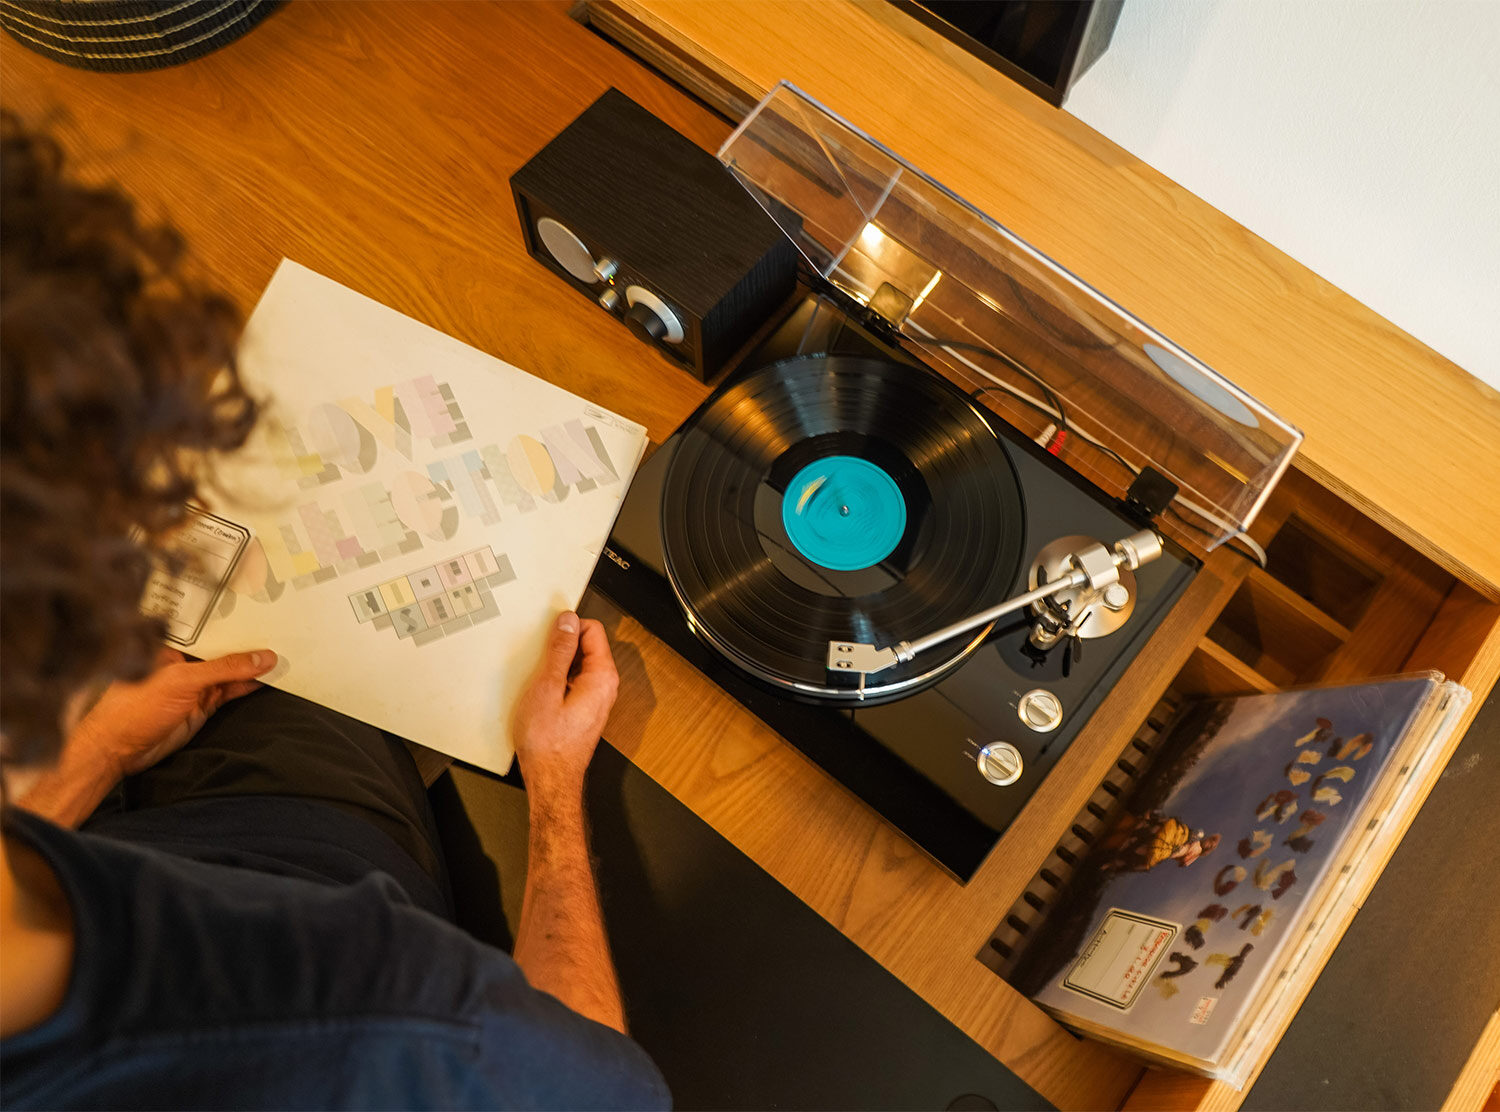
(273, 743)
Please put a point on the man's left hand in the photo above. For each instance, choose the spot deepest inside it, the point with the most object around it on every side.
(131, 727)
(134, 725)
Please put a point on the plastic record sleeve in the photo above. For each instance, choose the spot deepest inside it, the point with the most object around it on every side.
(856, 455)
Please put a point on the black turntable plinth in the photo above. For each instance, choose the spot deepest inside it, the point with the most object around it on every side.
(835, 488)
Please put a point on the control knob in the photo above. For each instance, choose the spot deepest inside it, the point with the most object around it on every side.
(1001, 763)
(644, 322)
(651, 318)
(1040, 710)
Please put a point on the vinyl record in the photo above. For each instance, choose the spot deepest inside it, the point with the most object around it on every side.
(835, 497)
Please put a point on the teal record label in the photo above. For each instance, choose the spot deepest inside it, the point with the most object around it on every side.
(844, 513)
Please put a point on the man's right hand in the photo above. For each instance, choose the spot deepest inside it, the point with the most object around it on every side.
(560, 942)
(562, 712)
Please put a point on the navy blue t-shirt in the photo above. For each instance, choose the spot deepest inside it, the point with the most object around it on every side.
(209, 985)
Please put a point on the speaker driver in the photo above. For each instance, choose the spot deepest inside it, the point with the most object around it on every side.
(567, 249)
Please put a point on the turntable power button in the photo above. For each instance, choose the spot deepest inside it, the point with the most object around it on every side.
(1001, 763)
(1040, 710)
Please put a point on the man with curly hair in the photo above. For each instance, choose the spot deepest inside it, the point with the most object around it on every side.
(255, 912)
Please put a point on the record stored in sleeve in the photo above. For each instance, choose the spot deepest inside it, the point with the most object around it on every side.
(829, 497)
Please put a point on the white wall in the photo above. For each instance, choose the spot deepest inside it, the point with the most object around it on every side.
(1361, 137)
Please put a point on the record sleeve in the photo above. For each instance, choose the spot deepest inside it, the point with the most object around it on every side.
(418, 510)
(1189, 929)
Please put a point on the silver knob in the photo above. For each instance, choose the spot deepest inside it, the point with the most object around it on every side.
(1001, 763)
(1040, 710)
(605, 269)
(656, 319)
(1116, 596)
(610, 298)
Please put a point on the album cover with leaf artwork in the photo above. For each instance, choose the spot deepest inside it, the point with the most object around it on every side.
(1191, 907)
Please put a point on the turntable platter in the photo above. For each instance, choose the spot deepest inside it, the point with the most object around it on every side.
(828, 497)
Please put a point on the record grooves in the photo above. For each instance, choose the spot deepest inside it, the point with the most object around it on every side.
(906, 455)
(734, 547)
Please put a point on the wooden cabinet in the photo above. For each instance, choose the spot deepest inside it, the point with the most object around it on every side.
(1384, 539)
(1342, 600)
(375, 146)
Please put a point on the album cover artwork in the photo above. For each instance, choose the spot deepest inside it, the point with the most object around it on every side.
(1179, 918)
(407, 518)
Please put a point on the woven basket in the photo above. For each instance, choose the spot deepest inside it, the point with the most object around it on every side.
(121, 36)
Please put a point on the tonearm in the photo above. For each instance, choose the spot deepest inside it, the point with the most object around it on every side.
(1093, 566)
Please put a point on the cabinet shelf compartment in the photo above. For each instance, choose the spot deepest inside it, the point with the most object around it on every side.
(1276, 632)
(1214, 670)
(1315, 568)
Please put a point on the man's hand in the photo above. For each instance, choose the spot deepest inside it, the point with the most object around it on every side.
(560, 943)
(134, 725)
(561, 714)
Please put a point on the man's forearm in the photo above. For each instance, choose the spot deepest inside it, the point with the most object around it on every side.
(560, 943)
(68, 792)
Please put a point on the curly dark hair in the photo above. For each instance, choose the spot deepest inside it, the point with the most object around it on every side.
(117, 386)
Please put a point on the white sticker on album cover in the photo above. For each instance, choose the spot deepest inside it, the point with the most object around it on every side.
(1121, 957)
(209, 546)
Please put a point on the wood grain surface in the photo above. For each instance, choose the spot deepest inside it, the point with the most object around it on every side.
(1478, 1086)
(1401, 433)
(374, 145)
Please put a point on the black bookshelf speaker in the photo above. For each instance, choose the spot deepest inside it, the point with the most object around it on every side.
(655, 231)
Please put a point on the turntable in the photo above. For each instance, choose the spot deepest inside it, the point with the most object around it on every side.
(920, 528)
